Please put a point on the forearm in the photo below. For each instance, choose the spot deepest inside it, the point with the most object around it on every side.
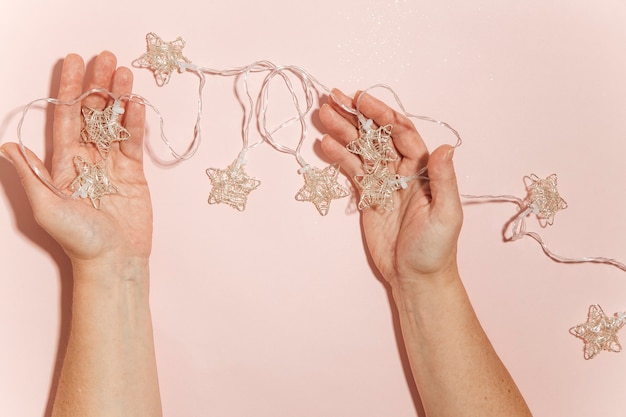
(455, 367)
(109, 367)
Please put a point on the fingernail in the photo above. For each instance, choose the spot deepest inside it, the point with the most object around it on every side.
(449, 154)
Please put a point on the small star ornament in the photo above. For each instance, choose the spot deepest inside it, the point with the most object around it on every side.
(231, 185)
(543, 198)
(321, 187)
(162, 58)
(377, 188)
(374, 146)
(599, 332)
(91, 182)
(102, 128)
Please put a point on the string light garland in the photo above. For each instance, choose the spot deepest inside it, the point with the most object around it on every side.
(374, 145)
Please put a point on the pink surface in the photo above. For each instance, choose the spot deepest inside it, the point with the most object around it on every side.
(275, 311)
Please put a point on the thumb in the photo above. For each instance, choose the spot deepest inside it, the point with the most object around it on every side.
(36, 190)
(446, 202)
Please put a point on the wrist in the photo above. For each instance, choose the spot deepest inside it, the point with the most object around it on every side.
(420, 282)
(118, 289)
(428, 301)
(111, 269)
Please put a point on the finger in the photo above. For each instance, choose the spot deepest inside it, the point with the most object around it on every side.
(122, 82)
(343, 105)
(135, 122)
(101, 77)
(337, 152)
(337, 125)
(37, 192)
(134, 114)
(67, 119)
(446, 203)
(406, 139)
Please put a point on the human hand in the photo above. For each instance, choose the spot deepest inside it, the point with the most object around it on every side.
(121, 229)
(419, 236)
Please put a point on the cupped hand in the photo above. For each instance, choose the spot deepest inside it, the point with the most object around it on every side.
(121, 228)
(419, 236)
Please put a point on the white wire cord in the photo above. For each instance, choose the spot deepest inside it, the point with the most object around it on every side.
(517, 226)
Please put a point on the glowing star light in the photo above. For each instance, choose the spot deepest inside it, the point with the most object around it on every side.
(162, 58)
(91, 181)
(102, 128)
(599, 332)
(321, 187)
(543, 198)
(231, 185)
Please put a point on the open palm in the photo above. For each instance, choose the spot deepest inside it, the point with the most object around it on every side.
(122, 226)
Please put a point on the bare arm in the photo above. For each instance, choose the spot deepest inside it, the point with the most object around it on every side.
(109, 368)
(454, 365)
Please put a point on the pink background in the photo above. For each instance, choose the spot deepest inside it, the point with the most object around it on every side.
(275, 311)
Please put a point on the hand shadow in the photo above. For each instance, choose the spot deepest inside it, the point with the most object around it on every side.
(397, 330)
(351, 208)
(25, 222)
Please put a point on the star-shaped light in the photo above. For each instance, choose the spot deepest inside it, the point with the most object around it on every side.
(231, 185)
(543, 197)
(374, 146)
(377, 188)
(321, 187)
(599, 332)
(91, 181)
(102, 128)
(162, 58)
